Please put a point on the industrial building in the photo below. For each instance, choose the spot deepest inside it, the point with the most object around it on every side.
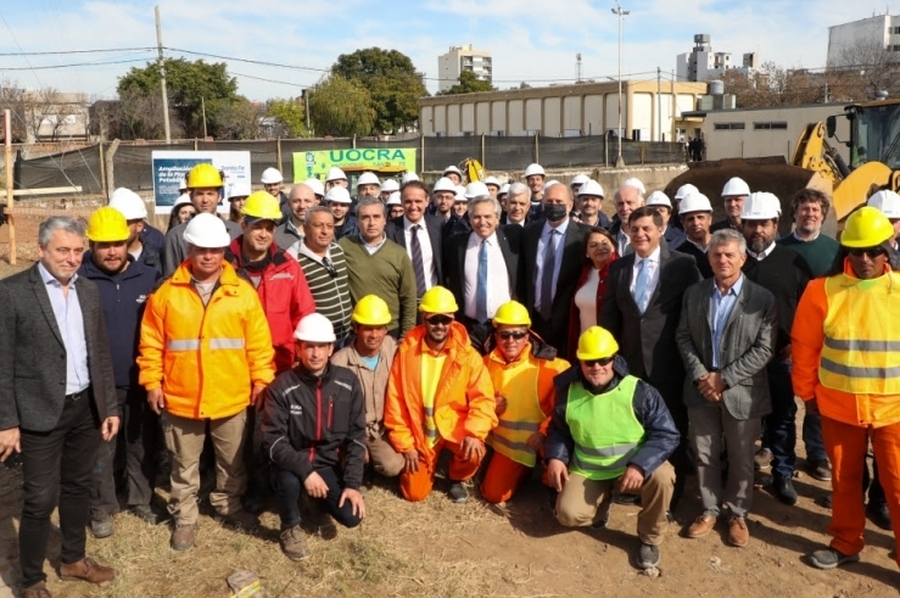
(848, 43)
(463, 58)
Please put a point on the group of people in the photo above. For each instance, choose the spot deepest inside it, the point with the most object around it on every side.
(314, 339)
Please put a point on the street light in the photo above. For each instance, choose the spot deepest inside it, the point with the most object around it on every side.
(622, 14)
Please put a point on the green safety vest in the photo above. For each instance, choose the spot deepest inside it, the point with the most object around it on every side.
(605, 429)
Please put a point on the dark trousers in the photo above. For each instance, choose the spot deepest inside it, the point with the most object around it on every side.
(56, 467)
(288, 487)
(671, 392)
(780, 433)
(479, 333)
(876, 490)
(812, 438)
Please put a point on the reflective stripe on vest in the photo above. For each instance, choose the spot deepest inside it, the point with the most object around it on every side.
(193, 344)
(606, 431)
(518, 383)
(861, 351)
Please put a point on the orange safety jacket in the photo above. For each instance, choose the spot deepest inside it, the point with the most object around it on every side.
(845, 344)
(463, 404)
(207, 358)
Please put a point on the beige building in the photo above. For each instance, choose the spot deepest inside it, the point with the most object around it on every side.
(651, 111)
(463, 58)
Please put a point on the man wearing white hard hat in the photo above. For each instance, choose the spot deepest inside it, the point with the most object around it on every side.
(338, 201)
(368, 185)
(659, 200)
(443, 194)
(889, 203)
(132, 207)
(273, 182)
(336, 177)
(454, 174)
(395, 206)
(493, 185)
(205, 319)
(577, 181)
(237, 195)
(388, 186)
(590, 204)
(407, 177)
(784, 273)
(734, 194)
(535, 175)
(696, 218)
(317, 187)
(460, 202)
(317, 446)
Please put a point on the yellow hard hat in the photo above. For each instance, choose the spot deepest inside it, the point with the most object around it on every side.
(263, 206)
(866, 227)
(438, 300)
(371, 310)
(512, 313)
(596, 343)
(204, 175)
(107, 225)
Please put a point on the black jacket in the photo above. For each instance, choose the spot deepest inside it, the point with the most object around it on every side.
(311, 423)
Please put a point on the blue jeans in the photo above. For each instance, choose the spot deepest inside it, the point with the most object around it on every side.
(780, 426)
(287, 487)
(812, 438)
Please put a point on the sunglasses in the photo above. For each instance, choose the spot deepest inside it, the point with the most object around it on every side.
(516, 334)
(872, 252)
(439, 320)
(604, 361)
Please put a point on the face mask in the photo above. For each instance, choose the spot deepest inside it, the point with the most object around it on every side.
(554, 212)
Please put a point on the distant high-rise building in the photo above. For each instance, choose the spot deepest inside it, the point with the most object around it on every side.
(463, 58)
(851, 43)
(702, 64)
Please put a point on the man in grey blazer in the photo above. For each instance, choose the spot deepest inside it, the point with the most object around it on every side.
(57, 400)
(726, 338)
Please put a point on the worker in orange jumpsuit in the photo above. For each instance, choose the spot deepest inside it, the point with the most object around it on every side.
(522, 368)
(847, 367)
(439, 396)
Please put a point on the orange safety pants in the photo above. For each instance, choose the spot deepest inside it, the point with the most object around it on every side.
(503, 477)
(417, 486)
(846, 446)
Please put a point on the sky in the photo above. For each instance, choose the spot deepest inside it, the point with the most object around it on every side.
(294, 42)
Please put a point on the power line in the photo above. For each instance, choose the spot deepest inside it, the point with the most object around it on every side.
(70, 65)
(71, 52)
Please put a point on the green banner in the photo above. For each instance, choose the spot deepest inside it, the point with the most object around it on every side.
(389, 161)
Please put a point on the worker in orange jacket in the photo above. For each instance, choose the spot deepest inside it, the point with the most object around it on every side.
(847, 367)
(439, 396)
(522, 368)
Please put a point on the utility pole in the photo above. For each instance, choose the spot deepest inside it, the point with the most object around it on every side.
(203, 110)
(621, 14)
(659, 133)
(162, 77)
(306, 106)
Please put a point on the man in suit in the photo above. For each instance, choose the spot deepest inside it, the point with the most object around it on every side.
(641, 308)
(57, 400)
(726, 337)
(478, 264)
(552, 257)
(420, 235)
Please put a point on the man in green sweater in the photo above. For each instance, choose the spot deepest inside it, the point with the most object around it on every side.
(377, 265)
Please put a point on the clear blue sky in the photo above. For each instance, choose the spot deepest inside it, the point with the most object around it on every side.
(531, 40)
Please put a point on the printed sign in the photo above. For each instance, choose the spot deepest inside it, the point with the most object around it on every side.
(169, 167)
(316, 164)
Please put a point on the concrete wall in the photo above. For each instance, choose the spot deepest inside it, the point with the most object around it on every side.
(865, 31)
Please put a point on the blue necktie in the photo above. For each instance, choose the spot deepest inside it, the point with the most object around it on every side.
(546, 310)
(481, 285)
(641, 286)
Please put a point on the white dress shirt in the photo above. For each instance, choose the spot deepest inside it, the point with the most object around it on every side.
(652, 274)
(427, 253)
(497, 275)
(560, 241)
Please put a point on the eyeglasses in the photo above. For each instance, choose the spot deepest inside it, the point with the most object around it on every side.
(603, 362)
(516, 334)
(872, 252)
(439, 320)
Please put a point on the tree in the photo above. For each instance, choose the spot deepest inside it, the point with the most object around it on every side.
(340, 108)
(239, 119)
(291, 114)
(392, 82)
(469, 83)
(13, 97)
(865, 69)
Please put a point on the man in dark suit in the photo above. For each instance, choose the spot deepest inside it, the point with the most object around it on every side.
(726, 337)
(57, 400)
(420, 234)
(549, 278)
(482, 268)
(641, 308)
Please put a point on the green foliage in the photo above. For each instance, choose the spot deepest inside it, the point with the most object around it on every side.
(291, 114)
(392, 82)
(340, 108)
(469, 83)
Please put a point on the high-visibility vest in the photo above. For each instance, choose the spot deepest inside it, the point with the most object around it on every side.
(523, 415)
(861, 352)
(605, 429)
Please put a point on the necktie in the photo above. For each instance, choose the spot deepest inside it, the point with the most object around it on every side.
(418, 263)
(641, 296)
(481, 284)
(547, 276)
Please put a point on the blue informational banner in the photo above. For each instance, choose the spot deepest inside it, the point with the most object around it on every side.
(170, 167)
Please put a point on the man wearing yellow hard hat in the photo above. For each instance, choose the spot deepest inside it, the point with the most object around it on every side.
(847, 368)
(124, 286)
(610, 432)
(522, 368)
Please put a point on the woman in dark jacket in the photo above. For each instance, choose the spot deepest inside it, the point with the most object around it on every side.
(600, 252)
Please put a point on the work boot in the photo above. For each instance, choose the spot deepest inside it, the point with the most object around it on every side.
(783, 488)
(145, 513)
(87, 569)
(880, 515)
(829, 558)
(648, 556)
(183, 536)
(38, 590)
(241, 520)
(458, 492)
(293, 544)
(821, 470)
(102, 525)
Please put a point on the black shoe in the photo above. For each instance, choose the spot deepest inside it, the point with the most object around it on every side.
(784, 491)
(458, 492)
(145, 513)
(824, 501)
(627, 499)
(880, 516)
(648, 556)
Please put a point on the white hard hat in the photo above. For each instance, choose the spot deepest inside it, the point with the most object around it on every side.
(579, 179)
(492, 180)
(182, 184)
(240, 189)
(394, 199)
(592, 188)
(761, 205)
(182, 199)
(390, 185)
(315, 328)
(637, 184)
(694, 202)
(368, 178)
(444, 184)
(476, 189)
(338, 194)
(270, 176)
(550, 183)
(734, 187)
(685, 190)
(128, 203)
(887, 201)
(534, 168)
(407, 177)
(452, 169)
(207, 231)
(460, 191)
(504, 189)
(335, 174)
(658, 198)
(316, 185)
